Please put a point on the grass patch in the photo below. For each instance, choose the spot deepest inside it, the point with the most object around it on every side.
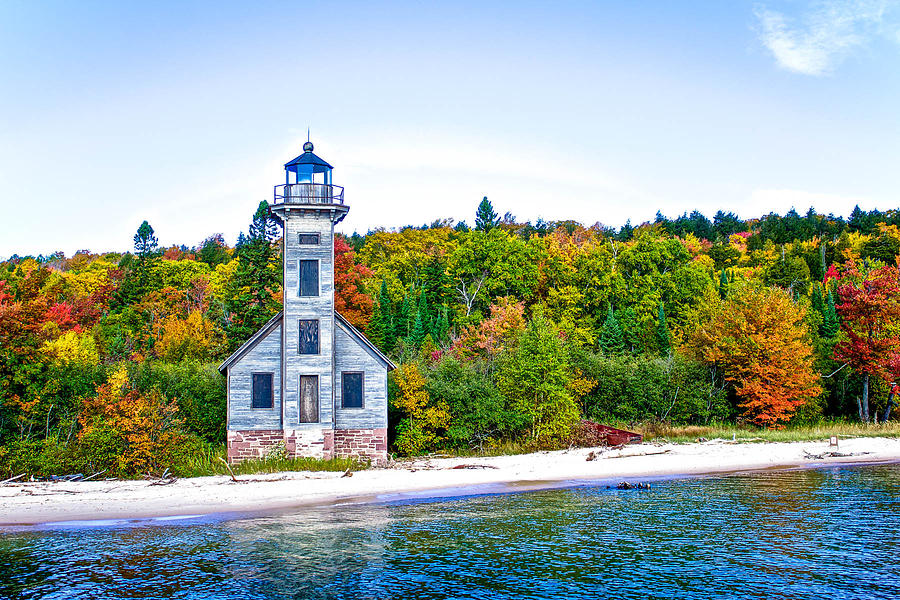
(745, 433)
(209, 462)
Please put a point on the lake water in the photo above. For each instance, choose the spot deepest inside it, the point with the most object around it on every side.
(823, 534)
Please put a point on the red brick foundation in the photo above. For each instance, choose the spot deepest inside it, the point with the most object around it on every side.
(243, 445)
(361, 443)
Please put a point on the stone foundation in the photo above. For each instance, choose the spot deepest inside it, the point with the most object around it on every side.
(318, 443)
(361, 443)
(244, 445)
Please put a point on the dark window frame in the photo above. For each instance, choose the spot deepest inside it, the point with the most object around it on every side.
(318, 414)
(303, 239)
(362, 390)
(300, 337)
(253, 376)
(317, 262)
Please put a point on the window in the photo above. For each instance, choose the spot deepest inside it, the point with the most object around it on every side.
(309, 336)
(309, 278)
(351, 390)
(263, 392)
(308, 239)
(309, 398)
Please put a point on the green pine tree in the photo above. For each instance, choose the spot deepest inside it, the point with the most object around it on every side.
(612, 341)
(663, 340)
(627, 320)
(420, 324)
(386, 308)
(831, 324)
(815, 298)
(375, 330)
(723, 284)
(485, 217)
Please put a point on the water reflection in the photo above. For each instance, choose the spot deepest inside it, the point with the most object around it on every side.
(797, 534)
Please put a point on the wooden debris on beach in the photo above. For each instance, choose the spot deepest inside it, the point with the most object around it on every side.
(11, 479)
(347, 473)
(473, 466)
(165, 479)
(825, 455)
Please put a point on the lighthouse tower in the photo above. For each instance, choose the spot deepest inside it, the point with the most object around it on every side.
(308, 378)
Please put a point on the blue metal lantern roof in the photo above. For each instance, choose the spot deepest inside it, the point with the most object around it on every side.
(308, 158)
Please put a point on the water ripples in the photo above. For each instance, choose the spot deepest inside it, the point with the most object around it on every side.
(830, 533)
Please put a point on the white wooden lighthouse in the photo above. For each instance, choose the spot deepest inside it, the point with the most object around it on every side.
(308, 379)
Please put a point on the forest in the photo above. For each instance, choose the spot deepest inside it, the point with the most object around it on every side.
(505, 332)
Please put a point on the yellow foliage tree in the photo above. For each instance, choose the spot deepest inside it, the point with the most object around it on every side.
(420, 428)
(73, 347)
(194, 337)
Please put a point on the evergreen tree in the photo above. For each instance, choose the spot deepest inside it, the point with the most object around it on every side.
(723, 284)
(375, 330)
(420, 325)
(403, 325)
(137, 281)
(251, 300)
(831, 324)
(627, 320)
(440, 326)
(663, 341)
(386, 310)
(485, 217)
(612, 341)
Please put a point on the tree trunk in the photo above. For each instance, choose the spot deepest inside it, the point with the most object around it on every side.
(864, 403)
(890, 405)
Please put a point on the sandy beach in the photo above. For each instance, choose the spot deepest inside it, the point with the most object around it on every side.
(24, 503)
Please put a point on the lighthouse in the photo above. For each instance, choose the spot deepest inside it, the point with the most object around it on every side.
(307, 381)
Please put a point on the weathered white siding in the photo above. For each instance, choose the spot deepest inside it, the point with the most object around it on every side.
(264, 357)
(352, 355)
(319, 307)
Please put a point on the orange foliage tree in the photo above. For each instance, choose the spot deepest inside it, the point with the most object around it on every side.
(759, 339)
(129, 432)
(491, 336)
(349, 298)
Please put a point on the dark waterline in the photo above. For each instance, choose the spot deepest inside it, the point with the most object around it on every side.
(826, 533)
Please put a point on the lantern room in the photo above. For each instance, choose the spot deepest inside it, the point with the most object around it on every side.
(307, 168)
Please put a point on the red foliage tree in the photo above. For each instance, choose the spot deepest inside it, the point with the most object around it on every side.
(869, 309)
(349, 298)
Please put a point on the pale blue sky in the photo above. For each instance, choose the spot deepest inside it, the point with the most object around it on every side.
(184, 113)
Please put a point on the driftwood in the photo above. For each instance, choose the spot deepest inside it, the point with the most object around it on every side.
(824, 455)
(11, 479)
(641, 454)
(227, 466)
(473, 466)
(347, 473)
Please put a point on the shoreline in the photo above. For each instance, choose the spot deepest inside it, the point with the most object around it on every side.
(31, 504)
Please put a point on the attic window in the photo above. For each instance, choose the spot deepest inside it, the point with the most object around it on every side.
(308, 239)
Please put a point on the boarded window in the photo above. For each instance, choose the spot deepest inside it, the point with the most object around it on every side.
(309, 398)
(309, 336)
(351, 390)
(309, 278)
(308, 239)
(263, 392)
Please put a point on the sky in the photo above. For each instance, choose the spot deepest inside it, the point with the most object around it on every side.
(184, 113)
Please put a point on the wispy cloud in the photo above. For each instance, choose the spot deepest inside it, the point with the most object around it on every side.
(814, 42)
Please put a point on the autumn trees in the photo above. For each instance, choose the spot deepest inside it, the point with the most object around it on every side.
(870, 321)
(758, 338)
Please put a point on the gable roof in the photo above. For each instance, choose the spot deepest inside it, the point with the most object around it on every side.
(276, 321)
(355, 333)
(251, 343)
